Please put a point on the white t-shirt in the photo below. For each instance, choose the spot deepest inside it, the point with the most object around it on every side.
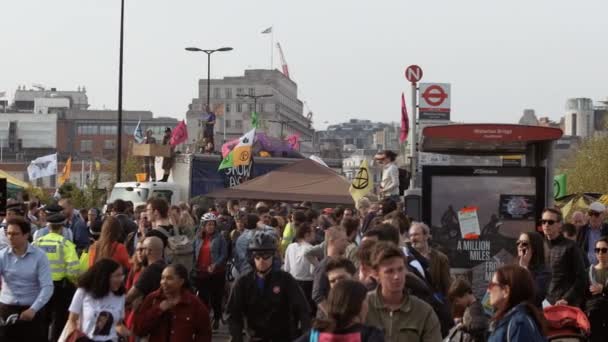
(296, 263)
(98, 317)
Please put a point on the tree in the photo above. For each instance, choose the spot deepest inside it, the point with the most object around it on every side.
(89, 197)
(587, 168)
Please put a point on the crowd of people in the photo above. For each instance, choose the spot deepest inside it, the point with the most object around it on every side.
(281, 272)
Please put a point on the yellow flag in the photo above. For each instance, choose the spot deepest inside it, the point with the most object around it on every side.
(363, 182)
(67, 169)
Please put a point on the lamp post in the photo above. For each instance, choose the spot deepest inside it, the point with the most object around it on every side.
(209, 52)
(283, 123)
(255, 102)
(120, 63)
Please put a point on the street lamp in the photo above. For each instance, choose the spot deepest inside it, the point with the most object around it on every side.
(120, 63)
(255, 104)
(208, 52)
(283, 123)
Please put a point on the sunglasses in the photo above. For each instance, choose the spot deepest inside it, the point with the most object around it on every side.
(547, 222)
(264, 256)
(492, 285)
(601, 250)
(594, 213)
(522, 243)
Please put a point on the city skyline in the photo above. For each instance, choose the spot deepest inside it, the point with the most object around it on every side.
(348, 58)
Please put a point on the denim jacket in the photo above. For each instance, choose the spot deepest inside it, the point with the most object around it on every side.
(219, 249)
(517, 325)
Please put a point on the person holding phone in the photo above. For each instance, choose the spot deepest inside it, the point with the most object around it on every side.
(531, 255)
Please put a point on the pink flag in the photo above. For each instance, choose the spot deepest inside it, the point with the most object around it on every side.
(180, 134)
(405, 122)
(294, 142)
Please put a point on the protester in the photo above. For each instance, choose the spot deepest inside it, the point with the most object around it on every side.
(149, 280)
(569, 231)
(97, 309)
(389, 186)
(157, 211)
(402, 316)
(473, 323)
(143, 227)
(351, 226)
(531, 254)
(27, 285)
(439, 266)
(336, 246)
(366, 214)
(108, 245)
(366, 270)
(127, 225)
(568, 279)
(268, 300)
(210, 255)
(597, 304)
(173, 313)
(65, 268)
(137, 266)
(76, 224)
(347, 308)
(297, 264)
(148, 164)
(339, 269)
(579, 220)
(512, 296)
(592, 232)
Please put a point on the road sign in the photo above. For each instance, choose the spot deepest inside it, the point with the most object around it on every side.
(413, 73)
(434, 101)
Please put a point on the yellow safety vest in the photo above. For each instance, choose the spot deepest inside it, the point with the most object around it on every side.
(62, 256)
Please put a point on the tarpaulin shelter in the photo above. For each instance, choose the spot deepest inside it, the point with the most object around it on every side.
(305, 180)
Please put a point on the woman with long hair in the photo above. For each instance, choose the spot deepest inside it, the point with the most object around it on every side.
(347, 309)
(531, 254)
(597, 304)
(173, 313)
(97, 309)
(210, 256)
(108, 246)
(516, 317)
(137, 266)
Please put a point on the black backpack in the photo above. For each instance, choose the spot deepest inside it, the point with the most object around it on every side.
(404, 180)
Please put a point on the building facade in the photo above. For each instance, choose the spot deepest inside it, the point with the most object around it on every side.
(279, 115)
(579, 118)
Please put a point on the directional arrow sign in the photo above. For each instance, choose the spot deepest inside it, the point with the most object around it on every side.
(434, 100)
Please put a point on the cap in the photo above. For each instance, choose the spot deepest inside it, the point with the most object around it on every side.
(598, 207)
(56, 218)
(16, 207)
(53, 208)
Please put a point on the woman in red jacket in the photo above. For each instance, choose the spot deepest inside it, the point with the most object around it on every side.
(173, 313)
(108, 246)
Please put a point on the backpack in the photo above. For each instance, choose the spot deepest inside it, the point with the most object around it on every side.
(404, 180)
(177, 243)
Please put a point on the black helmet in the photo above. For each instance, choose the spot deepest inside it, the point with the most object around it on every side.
(262, 242)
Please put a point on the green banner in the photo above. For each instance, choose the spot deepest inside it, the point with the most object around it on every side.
(559, 186)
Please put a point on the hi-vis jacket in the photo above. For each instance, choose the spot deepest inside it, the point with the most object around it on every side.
(62, 256)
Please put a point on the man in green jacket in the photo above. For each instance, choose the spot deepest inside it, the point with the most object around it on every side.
(401, 316)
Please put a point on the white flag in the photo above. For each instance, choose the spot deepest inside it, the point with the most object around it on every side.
(138, 134)
(43, 167)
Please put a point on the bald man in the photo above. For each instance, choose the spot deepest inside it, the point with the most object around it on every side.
(579, 220)
(149, 280)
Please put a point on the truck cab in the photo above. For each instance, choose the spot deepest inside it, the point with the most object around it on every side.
(140, 192)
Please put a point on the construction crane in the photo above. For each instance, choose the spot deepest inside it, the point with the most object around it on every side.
(283, 61)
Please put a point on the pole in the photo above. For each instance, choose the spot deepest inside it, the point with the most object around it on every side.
(413, 136)
(82, 174)
(1, 149)
(119, 130)
(271, 46)
(208, 80)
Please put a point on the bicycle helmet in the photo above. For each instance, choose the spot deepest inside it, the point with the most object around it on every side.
(208, 217)
(262, 242)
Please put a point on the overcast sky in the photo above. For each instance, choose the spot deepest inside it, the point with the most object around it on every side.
(348, 57)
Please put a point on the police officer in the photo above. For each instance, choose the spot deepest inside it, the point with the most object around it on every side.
(62, 256)
(51, 210)
(268, 299)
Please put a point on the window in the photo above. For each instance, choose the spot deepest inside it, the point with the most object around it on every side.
(166, 194)
(249, 107)
(109, 130)
(216, 93)
(109, 144)
(227, 107)
(86, 145)
(238, 124)
(261, 107)
(228, 92)
(252, 91)
(87, 130)
(239, 91)
(228, 123)
(239, 107)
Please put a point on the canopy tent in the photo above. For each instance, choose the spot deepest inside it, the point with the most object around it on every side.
(13, 184)
(575, 202)
(305, 180)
